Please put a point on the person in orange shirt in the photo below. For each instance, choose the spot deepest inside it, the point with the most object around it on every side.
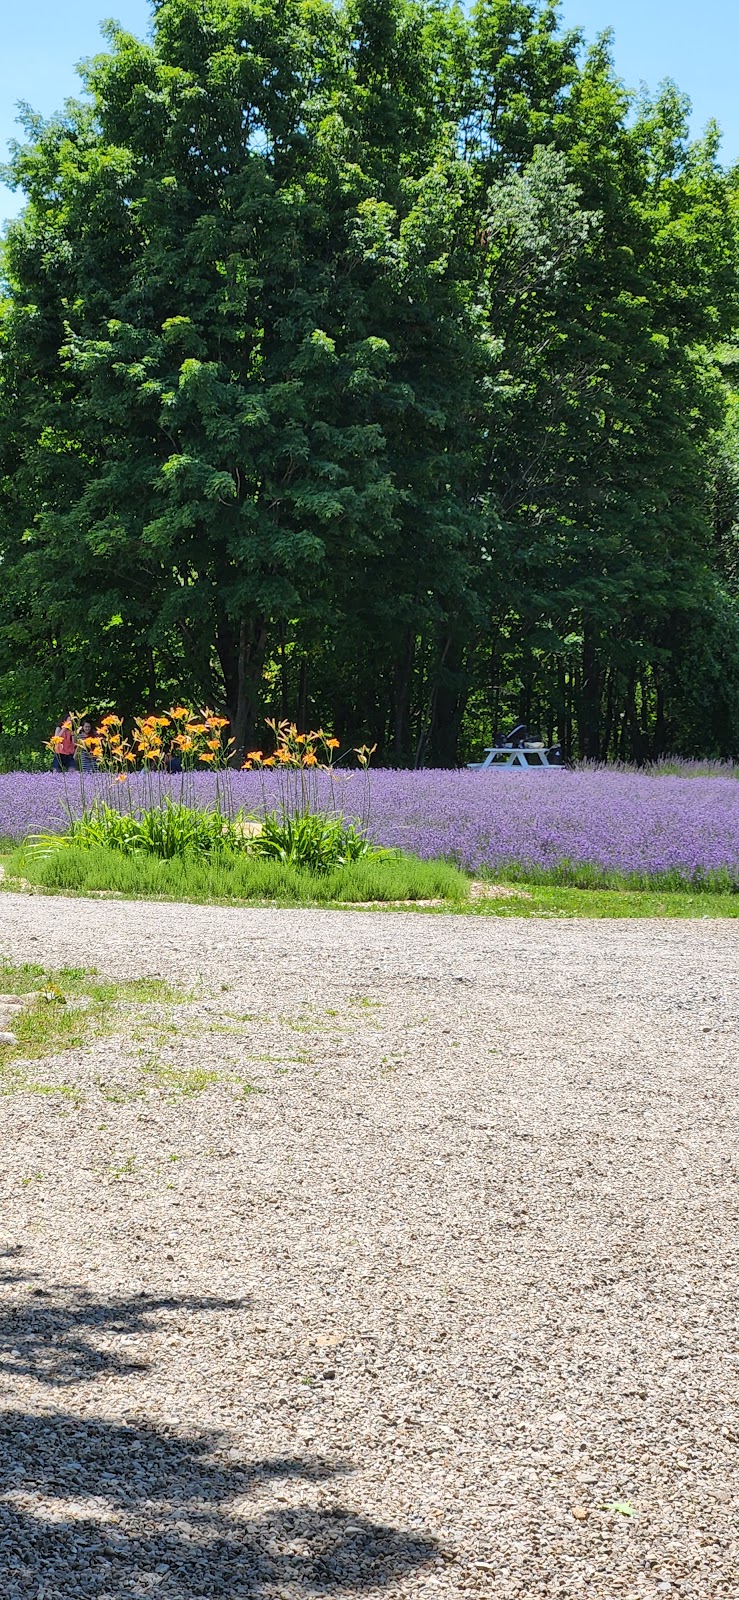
(64, 747)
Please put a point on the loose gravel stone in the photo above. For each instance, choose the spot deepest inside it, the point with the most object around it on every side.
(397, 1258)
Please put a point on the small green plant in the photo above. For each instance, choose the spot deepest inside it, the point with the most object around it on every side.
(68, 1091)
(53, 995)
(125, 1169)
(180, 1082)
(118, 1094)
(312, 840)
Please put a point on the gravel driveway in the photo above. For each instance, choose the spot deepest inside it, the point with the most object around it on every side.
(382, 1263)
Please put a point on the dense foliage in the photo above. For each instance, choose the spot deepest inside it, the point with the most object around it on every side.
(371, 362)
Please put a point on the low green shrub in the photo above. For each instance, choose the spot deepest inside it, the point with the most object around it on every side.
(20, 753)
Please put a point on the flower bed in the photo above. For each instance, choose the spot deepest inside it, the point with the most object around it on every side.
(608, 822)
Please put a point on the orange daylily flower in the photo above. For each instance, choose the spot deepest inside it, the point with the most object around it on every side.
(206, 755)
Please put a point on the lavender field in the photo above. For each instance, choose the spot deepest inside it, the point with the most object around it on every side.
(608, 822)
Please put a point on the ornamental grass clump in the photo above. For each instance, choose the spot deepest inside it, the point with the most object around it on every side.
(237, 877)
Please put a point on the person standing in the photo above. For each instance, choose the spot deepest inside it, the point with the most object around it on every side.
(64, 747)
(84, 746)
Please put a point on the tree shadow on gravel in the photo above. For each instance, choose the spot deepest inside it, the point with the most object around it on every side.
(51, 1336)
(93, 1508)
(124, 1510)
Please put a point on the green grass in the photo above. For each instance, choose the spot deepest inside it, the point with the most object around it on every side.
(540, 900)
(233, 876)
(69, 983)
(582, 875)
(67, 1010)
(178, 1083)
(566, 892)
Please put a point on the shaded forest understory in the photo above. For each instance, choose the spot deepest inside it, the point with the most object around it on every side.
(372, 364)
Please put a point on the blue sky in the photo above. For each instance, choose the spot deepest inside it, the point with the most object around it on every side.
(697, 45)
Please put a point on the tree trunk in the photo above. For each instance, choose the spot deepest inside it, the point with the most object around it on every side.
(495, 685)
(449, 704)
(660, 723)
(589, 718)
(283, 677)
(242, 662)
(638, 750)
(302, 707)
(401, 700)
(564, 715)
(610, 713)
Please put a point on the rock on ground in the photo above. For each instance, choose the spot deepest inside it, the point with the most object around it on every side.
(390, 1260)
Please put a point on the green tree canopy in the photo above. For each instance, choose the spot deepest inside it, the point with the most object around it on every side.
(367, 362)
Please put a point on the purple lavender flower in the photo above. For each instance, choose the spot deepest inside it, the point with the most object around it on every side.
(622, 822)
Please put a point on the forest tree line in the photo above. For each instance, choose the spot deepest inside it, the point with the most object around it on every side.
(371, 364)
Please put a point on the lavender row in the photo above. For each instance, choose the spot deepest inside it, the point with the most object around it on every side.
(608, 821)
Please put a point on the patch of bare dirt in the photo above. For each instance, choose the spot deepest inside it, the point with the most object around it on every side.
(479, 890)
